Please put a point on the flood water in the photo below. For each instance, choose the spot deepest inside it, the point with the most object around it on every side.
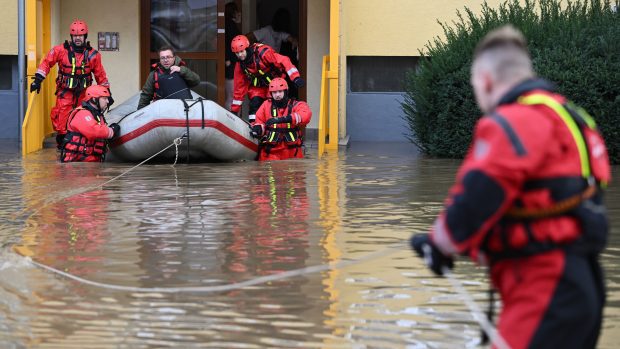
(163, 229)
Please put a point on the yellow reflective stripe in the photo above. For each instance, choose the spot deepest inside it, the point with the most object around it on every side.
(72, 72)
(570, 123)
(291, 133)
(584, 114)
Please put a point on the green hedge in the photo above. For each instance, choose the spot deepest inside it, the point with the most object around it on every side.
(574, 44)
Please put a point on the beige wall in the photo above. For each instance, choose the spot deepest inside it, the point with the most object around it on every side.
(397, 27)
(317, 47)
(8, 27)
(391, 28)
(111, 16)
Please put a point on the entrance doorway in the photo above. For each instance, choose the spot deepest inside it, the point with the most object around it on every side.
(190, 28)
(195, 29)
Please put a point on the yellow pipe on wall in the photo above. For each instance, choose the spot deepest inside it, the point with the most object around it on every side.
(332, 74)
(36, 125)
(323, 106)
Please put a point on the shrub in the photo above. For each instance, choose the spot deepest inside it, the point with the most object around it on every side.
(574, 44)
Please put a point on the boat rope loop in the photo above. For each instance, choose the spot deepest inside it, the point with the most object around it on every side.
(177, 142)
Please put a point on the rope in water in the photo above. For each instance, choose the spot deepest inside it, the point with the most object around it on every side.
(476, 312)
(176, 142)
(474, 309)
(227, 287)
(478, 315)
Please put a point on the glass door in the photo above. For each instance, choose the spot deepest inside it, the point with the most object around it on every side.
(190, 27)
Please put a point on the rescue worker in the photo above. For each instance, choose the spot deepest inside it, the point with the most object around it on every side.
(258, 65)
(528, 202)
(170, 78)
(87, 129)
(280, 121)
(77, 62)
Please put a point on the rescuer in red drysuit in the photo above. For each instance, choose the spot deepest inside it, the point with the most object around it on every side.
(258, 64)
(77, 62)
(280, 121)
(528, 203)
(87, 130)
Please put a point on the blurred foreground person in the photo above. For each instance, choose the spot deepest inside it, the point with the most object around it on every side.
(528, 203)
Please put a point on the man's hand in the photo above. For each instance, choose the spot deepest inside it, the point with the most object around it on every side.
(175, 69)
(256, 131)
(434, 259)
(280, 120)
(116, 128)
(36, 83)
(299, 82)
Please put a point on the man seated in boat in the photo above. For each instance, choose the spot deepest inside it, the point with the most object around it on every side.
(170, 78)
(280, 122)
(258, 64)
(87, 129)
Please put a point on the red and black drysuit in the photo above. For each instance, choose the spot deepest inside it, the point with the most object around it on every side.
(282, 140)
(86, 136)
(253, 75)
(76, 65)
(528, 202)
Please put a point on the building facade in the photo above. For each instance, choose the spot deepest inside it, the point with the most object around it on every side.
(374, 43)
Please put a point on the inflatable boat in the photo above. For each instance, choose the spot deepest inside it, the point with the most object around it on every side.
(208, 131)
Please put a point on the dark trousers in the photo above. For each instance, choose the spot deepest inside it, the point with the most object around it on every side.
(551, 300)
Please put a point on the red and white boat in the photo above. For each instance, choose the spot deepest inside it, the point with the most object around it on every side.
(215, 134)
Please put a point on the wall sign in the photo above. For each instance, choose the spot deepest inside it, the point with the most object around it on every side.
(108, 41)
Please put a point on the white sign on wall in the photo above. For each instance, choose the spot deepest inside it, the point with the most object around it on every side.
(108, 41)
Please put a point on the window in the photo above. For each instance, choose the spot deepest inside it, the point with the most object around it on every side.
(6, 71)
(185, 25)
(379, 73)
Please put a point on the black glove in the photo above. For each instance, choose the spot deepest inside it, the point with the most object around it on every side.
(36, 82)
(434, 259)
(117, 129)
(256, 131)
(299, 82)
(280, 120)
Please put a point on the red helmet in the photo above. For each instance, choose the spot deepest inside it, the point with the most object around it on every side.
(78, 27)
(239, 43)
(278, 84)
(96, 91)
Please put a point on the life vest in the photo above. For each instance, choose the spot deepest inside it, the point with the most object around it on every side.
(76, 147)
(169, 86)
(72, 76)
(576, 197)
(292, 136)
(263, 73)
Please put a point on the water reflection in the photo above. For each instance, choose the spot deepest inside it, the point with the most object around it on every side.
(217, 224)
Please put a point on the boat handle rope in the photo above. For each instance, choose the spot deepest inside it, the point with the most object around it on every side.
(176, 142)
(477, 314)
(487, 327)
